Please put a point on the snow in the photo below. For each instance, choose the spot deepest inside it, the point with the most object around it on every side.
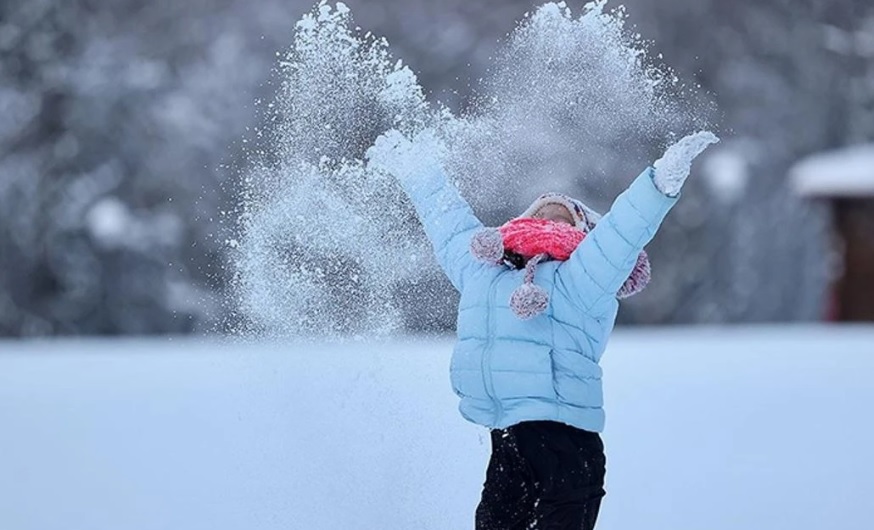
(109, 221)
(708, 428)
(113, 225)
(726, 172)
(566, 95)
(312, 215)
(847, 172)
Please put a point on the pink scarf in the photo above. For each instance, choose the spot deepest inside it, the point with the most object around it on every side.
(529, 237)
(536, 240)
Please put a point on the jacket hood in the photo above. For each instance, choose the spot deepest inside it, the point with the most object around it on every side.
(585, 218)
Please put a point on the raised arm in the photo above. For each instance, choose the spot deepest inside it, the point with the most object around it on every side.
(602, 263)
(446, 217)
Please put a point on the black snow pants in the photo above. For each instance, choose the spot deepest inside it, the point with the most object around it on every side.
(542, 475)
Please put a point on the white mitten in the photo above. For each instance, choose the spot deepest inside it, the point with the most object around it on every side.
(393, 153)
(672, 169)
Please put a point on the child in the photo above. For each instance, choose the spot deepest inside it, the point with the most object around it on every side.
(538, 303)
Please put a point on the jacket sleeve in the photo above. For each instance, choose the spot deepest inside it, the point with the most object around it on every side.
(448, 220)
(603, 261)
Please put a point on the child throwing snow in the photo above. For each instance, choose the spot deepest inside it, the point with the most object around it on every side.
(539, 298)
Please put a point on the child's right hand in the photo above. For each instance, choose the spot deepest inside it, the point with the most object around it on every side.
(393, 153)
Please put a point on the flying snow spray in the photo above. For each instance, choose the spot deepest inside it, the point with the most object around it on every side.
(330, 248)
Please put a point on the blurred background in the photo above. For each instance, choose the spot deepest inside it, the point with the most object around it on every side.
(125, 131)
(122, 127)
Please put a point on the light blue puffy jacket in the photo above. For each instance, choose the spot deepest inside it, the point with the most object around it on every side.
(507, 370)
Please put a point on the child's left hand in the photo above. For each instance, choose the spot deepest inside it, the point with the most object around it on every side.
(672, 169)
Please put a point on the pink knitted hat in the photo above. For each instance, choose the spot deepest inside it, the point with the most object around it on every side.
(527, 241)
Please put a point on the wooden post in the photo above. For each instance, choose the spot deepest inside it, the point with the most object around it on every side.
(854, 221)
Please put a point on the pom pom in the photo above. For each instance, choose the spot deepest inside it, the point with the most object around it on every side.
(638, 279)
(529, 300)
(487, 245)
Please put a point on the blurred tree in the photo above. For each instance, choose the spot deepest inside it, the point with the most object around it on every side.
(790, 78)
(115, 119)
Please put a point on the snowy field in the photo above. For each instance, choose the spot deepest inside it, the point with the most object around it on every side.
(708, 429)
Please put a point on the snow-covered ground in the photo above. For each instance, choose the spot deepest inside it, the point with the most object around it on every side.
(708, 429)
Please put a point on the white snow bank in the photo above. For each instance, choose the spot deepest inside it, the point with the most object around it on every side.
(765, 428)
(847, 172)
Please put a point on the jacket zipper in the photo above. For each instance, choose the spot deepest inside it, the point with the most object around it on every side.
(487, 355)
